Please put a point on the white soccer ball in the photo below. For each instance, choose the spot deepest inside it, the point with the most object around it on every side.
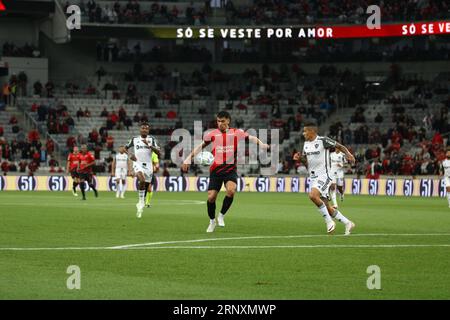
(205, 158)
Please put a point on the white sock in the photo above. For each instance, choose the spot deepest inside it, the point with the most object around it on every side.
(340, 217)
(120, 186)
(212, 220)
(142, 197)
(448, 198)
(324, 212)
(221, 215)
(333, 197)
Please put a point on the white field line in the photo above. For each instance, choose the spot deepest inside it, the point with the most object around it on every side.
(155, 245)
(334, 246)
(276, 237)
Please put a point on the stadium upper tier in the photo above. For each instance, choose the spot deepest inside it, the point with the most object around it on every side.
(258, 12)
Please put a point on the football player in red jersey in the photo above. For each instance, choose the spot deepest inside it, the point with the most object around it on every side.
(71, 168)
(86, 161)
(223, 170)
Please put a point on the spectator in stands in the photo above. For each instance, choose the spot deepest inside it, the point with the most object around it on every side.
(23, 165)
(22, 83)
(42, 112)
(13, 93)
(114, 118)
(93, 136)
(49, 86)
(110, 143)
(374, 169)
(128, 123)
(122, 114)
(104, 112)
(87, 113)
(6, 92)
(100, 73)
(437, 139)
(70, 122)
(144, 117)
(34, 107)
(378, 118)
(33, 135)
(71, 142)
(13, 120)
(5, 167)
(1, 131)
(37, 88)
(50, 146)
(137, 117)
(90, 90)
(80, 114)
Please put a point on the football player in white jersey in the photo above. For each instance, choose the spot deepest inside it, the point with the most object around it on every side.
(316, 157)
(119, 170)
(143, 146)
(338, 162)
(445, 171)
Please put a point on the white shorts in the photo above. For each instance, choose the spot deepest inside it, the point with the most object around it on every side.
(145, 168)
(322, 183)
(338, 178)
(447, 181)
(121, 173)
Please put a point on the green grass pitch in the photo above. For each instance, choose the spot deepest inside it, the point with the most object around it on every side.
(274, 246)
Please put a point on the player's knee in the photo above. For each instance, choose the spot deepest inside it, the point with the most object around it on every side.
(230, 193)
(212, 198)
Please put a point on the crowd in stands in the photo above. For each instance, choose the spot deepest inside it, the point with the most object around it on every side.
(152, 13)
(111, 52)
(332, 11)
(331, 51)
(25, 153)
(9, 49)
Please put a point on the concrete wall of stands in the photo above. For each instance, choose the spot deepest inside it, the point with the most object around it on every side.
(35, 69)
(19, 31)
(426, 187)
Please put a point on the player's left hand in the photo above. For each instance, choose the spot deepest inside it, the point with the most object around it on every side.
(265, 146)
(351, 159)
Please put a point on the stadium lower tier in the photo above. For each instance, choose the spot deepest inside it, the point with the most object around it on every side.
(425, 187)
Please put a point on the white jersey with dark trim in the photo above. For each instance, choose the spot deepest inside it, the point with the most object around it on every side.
(142, 151)
(337, 162)
(121, 161)
(318, 155)
(446, 167)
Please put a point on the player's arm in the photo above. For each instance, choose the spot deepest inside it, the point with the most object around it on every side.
(68, 165)
(188, 160)
(254, 139)
(90, 164)
(155, 161)
(154, 146)
(130, 144)
(130, 167)
(347, 153)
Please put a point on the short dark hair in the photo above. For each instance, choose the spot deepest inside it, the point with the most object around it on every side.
(144, 124)
(224, 114)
